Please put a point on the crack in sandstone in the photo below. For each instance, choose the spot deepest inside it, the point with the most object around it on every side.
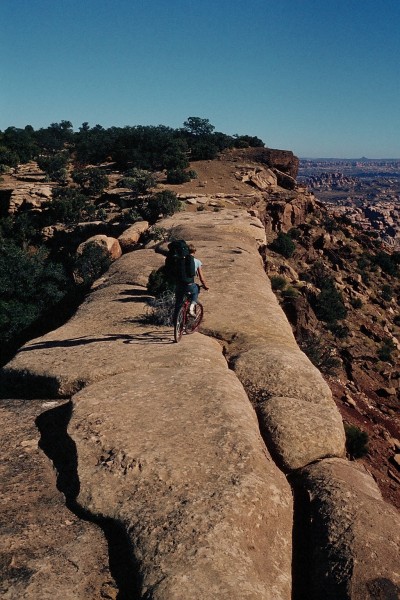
(301, 540)
(61, 450)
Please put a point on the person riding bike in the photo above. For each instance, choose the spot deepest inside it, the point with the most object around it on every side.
(181, 268)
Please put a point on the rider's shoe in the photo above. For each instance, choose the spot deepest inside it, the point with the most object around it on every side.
(192, 309)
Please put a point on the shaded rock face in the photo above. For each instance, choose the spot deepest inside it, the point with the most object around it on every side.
(281, 211)
(167, 442)
(282, 160)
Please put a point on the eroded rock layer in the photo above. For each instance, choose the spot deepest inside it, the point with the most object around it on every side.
(168, 445)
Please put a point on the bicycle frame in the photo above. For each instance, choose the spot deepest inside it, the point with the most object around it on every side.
(184, 321)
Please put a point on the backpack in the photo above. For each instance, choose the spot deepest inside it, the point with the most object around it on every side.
(179, 263)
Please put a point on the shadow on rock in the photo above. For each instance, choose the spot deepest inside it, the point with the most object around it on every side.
(61, 450)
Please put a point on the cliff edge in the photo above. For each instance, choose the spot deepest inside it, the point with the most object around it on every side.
(221, 459)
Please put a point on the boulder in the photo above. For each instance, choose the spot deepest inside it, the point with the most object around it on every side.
(109, 245)
(301, 432)
(130, 237)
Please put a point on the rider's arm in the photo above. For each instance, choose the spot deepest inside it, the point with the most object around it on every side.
(203, 282)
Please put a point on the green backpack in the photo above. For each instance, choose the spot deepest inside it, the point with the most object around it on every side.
(179, 263)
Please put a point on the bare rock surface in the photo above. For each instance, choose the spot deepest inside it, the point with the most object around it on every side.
(46, 550)
(174, 452)
(109, 245)
(355, 535)
(244, 312)
(168, 444)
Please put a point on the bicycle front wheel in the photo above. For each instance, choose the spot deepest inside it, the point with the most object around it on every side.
(193, 323)
(179, 323)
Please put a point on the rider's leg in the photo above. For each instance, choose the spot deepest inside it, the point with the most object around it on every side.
(180, 292)
(194, 289)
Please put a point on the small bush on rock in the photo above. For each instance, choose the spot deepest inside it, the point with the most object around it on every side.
(89, 265)
(163, 204)
(284, 245)
(356, 441)
(138, 180)
(177, 176)
(386, 350)
(92, 181)
(68, 206)
(161, 309)
(320, 355)
(278, 282)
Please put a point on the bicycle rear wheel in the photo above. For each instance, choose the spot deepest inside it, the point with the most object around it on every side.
(179, 323)
(193, 323)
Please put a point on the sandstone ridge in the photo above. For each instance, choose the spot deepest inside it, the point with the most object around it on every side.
(167, 437)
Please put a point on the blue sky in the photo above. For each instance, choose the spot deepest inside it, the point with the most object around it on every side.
(319, 78)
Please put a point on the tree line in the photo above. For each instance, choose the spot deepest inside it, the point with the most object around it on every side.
(141, 146)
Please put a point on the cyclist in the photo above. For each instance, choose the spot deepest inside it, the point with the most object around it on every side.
(192, 288)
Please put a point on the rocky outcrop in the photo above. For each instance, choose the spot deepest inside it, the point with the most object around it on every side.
(168, 443)
(282, 160)
(283, 210)
(26, 196)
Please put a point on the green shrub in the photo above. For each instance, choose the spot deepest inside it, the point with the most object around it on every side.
(386, 263)
(138, 180)
(90, 264)
(68, 206)
(278, 282)
(387, 292)
(161, 309)
(356, 441)
(329, 306)
(339, 331)
(30, 284)
(386, 350)
(158, 283)
(91, 180)
(290, 292)
(365, 277)
(284, 245)
(155, 234)
(295, 233)
(320, 355)
(177, 176)
(163, 204)
(55, 166)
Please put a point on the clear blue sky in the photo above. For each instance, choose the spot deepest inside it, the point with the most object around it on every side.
(321, 78)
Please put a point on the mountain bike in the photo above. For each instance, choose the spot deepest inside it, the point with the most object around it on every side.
(185, 322)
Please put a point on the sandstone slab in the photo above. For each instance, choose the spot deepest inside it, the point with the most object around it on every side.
(175, 453)
(46, 550)
(301, 432)
(354, 534)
